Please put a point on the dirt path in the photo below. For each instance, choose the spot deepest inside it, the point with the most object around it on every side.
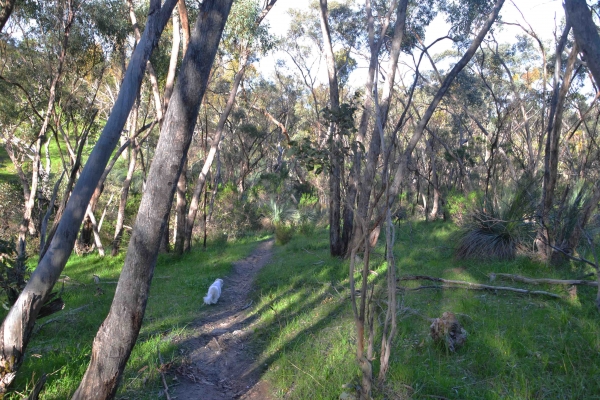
(220, 365)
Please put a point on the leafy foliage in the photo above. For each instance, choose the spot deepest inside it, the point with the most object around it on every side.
(241, 30)
(565, 218)
(283, 234)
(233, 214)
(13, 271)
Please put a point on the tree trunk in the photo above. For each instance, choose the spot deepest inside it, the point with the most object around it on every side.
(17, 327)
(69, 188)
(336, 247)
(181, 205)
(151, 73)
(368, 178)
(545, 236)
(586, 34)
(29, 204)
(116, 244)
(185, 25)
(434, 180)
(5, 11)
(100, 186)
(115, 339)
(214, 145)
(170, 81)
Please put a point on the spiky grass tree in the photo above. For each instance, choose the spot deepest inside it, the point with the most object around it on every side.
(499, 232)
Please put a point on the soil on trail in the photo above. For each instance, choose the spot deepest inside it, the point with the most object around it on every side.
(219, 363)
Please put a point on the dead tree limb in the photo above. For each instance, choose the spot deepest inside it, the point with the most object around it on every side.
(447, 283)
(537, 281)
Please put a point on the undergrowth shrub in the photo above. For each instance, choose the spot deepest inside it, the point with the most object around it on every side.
(459, 206)
(283, 233)
(10, 209)
(307, 215)
(275, 214)
(13, 272)
(233, 214)
(566, 219)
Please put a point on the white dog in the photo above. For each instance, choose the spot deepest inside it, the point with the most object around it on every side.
(214, 292)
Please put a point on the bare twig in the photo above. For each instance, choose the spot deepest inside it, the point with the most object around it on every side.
(35, 393)
(162, 374)
(313, 378)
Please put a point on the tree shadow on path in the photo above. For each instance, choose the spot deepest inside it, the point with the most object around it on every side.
(219, 363)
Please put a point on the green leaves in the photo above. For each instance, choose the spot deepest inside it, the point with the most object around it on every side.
(242, 30)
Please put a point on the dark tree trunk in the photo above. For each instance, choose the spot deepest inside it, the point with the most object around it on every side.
(214, 146)
(336, 247)
(5, 11)
(545, 235)
(180, 215)
(17, 327)
(115, 339)
(586, 34)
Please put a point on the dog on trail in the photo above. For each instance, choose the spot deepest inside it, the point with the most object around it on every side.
(214, 292)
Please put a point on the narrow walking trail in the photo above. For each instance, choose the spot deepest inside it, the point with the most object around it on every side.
(219, 363)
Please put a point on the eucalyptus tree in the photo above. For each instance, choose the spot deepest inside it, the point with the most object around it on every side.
(490, 11)
(65, 11)
(334, 138)
(333, 29)
(579, 16)
(51, 42)
(243, 38)
(115, 340)
(17, 327)
(560, 87)
(390, 191)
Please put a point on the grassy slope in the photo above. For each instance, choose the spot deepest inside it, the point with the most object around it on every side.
(62, 345)
(518, 346)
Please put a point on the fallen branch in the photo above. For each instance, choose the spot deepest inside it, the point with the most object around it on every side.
(533, 281)
(37, 389)
(39, 327)
(312, 377)
(475, 286)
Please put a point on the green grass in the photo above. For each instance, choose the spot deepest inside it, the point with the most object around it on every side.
(61, 345)
(519, 347)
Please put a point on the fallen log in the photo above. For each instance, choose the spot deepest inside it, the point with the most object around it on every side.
(447, 283)
(536, 281)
